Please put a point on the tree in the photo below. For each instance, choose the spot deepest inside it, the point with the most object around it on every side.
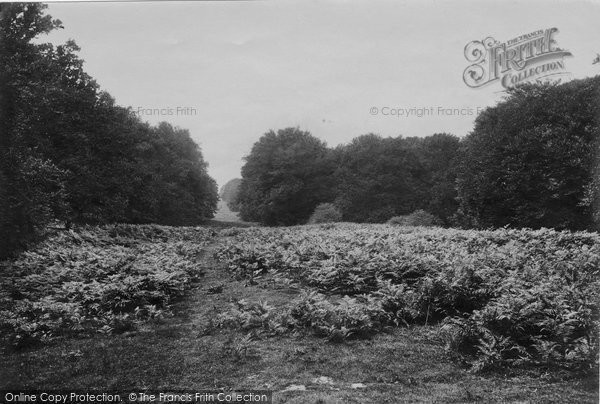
(377, 178)
(185, 193)
(284, 178)
(529, 161)
(69, 153)
(31, 186)
(439, 156)
(229, 193)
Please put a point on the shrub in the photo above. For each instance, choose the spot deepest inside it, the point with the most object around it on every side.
(525, 325)
(398, 220)
(249, 316)
(349, 317)
(325, 213)
(417, 218)
(96, 279)
(503, 297)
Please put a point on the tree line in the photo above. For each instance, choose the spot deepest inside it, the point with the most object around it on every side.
(531, 161)
(68, 153)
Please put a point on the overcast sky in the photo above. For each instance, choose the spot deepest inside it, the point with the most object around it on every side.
(239, 69)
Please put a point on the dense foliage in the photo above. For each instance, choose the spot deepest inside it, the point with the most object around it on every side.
(68, 153)
(369, 180)
(96, 279)
(374, 179)
(283, 178)
(504, 297)
(530, 160)
(377, 178)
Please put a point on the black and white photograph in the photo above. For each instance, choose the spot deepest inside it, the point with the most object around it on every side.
(300, 201)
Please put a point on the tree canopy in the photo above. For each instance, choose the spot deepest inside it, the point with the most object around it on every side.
(370, 179)
(69, 153)
(533, 160)
(530, 160)
(378, 178)
(283, 178)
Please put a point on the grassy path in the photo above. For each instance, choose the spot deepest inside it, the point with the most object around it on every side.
(186, 352)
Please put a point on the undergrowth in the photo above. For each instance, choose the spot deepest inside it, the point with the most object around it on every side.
(501, 298)
(89, 280)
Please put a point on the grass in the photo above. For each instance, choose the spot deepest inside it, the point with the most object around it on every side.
(187, 351)
(225, 214)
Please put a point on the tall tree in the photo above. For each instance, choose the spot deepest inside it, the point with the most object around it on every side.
(31, 186)
(377, 178)
(283, 179)
(529, 161)
(69, 153)
(187, 194)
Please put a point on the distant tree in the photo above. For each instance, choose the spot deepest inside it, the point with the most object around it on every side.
(230, 189)
(229, 194)
(530, 160)
(284, 178)
(377, 178)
